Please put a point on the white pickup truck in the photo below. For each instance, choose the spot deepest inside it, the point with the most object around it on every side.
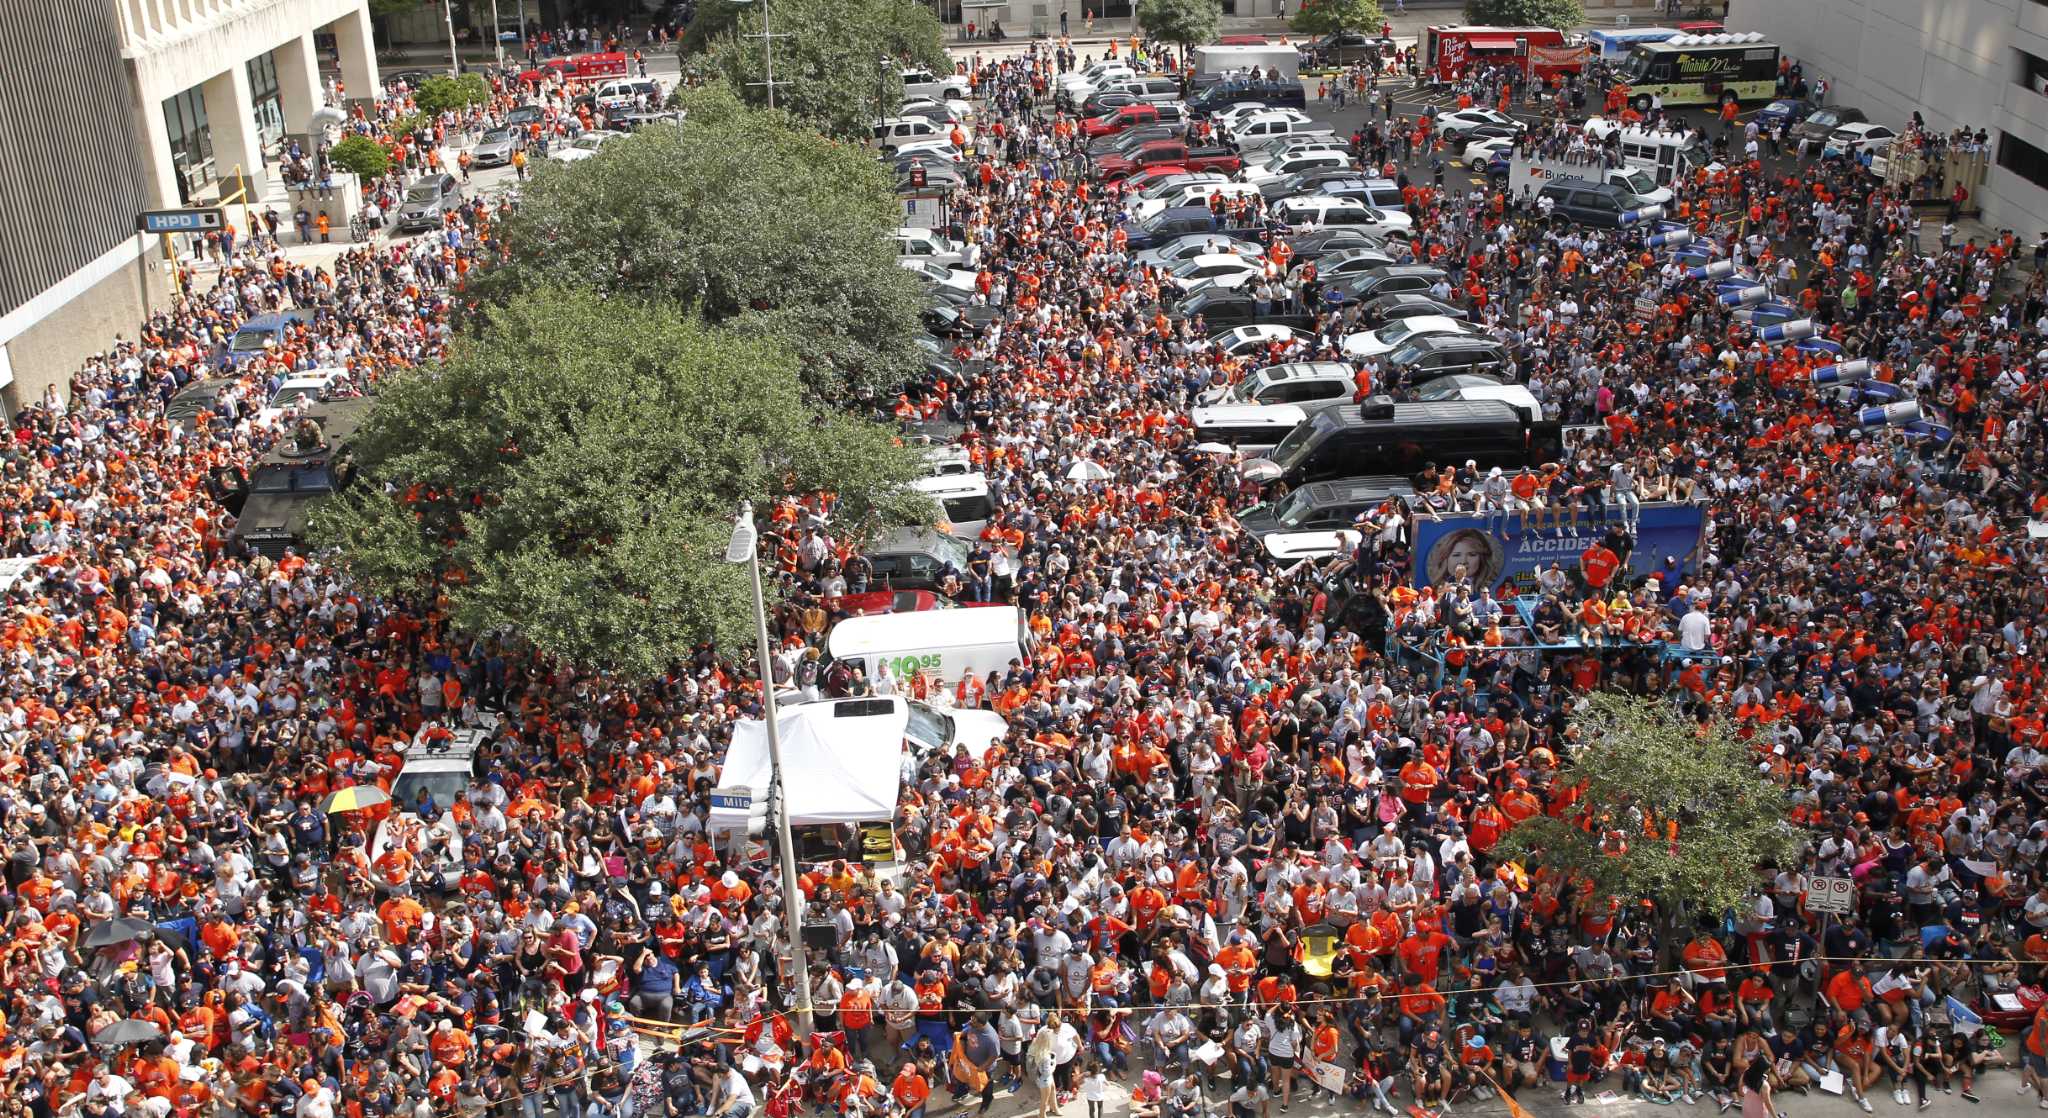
(938, 87)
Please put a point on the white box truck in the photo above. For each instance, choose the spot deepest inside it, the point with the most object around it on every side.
(1222, 59)
(1530, 175)
(940, 644)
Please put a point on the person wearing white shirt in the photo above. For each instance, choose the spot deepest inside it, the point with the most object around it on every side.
(1694, 629)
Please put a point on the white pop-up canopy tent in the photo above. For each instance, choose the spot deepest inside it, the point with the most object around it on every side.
(841, 760)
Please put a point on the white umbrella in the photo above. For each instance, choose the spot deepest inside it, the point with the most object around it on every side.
(1261, 469)
(1216, 448)
(1085, 470)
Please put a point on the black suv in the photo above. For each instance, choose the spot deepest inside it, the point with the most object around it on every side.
(1585, 202)
(1431, 356)
(1395, 279)
(1273, 95)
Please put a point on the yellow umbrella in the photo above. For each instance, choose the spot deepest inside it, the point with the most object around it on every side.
(355, 798)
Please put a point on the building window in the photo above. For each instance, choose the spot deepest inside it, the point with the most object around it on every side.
(2023, 159)
(191, 140)
(264, 98)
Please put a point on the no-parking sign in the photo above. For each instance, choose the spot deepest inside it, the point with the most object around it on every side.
(1835, 895)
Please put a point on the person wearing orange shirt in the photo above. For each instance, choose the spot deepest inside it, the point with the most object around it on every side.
(910, 1090)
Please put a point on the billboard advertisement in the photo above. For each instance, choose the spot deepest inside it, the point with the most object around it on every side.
(1507, 549)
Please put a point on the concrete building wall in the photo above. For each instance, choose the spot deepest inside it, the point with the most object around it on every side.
(1957, 62)
(112, 305)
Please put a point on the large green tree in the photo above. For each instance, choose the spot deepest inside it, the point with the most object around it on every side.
(1561, 14)
(772, 230)
(441, 94)
(836, 61)
(1670, 811)
(570, 472)
(1326, 17)
(1186, 23)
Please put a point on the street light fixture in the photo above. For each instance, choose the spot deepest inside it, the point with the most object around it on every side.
(744, 547)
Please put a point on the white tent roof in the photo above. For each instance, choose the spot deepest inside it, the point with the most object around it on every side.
(838, 766)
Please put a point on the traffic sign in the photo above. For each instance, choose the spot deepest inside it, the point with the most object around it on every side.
(1836, 895)
(180, 221)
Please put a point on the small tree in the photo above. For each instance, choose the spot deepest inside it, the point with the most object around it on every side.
(444, 94)
(1560, 14)
(1669, 810)
(1185, 23)
(1329, 17)
(361, 155)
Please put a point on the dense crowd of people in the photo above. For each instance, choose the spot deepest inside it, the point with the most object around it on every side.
(1231, 851)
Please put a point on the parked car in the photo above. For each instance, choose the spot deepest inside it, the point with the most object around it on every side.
(1584, 202)
(1342, 48)
(585, 146)
(1221, 269)
(1786, 111)
(1314, 244)
(496, 148)
(1375, 282)
(943, 87)
(1395, 334)
(1292, 382)
(1821, 123)
(1455, 124)
(1426, 358)
(1240, 341)
(1376, 313)
(1855, 139)
(427, 200)
(1315, 211)
(1346, 262)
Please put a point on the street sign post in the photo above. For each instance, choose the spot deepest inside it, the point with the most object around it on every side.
(180, 221)
(1833, 895)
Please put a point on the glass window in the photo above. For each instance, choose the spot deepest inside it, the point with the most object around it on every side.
(188, 136)
(2023, 159)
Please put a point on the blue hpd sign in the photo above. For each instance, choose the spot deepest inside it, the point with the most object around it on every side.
(180, 221)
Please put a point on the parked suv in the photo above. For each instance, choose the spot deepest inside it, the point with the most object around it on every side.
(426, 200)
(1426, 358)
(1583, 202)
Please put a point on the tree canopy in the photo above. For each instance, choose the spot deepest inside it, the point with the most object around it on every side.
(361, 155)
(739, 218)
(1185, 22)
(1669, 810)
(1561, 14)
(570, 472)
(1326, 17)
(829, 56)
(441, 94)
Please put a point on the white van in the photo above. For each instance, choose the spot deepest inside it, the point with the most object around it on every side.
(963, 498)
(942, 644)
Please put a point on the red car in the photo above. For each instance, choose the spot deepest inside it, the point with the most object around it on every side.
(1118, 119)
(891, 601)
(579, 68)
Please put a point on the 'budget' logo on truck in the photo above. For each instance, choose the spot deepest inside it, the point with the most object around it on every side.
(903, 667)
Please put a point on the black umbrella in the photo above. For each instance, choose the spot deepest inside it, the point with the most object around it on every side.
(130, 1031)
(119, 930)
